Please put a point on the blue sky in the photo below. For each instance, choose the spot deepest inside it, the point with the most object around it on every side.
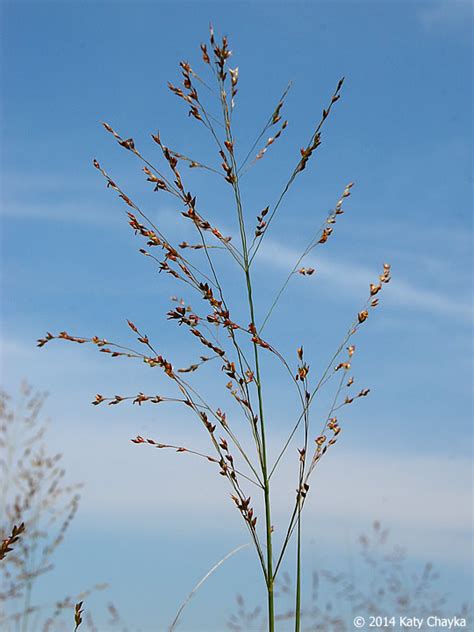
(402, 132)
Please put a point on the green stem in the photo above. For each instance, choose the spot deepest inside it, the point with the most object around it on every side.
(266, 480)
(298, 574)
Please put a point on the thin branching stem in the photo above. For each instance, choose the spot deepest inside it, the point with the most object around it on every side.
(271, 121)
(320, 383)
(297, 169)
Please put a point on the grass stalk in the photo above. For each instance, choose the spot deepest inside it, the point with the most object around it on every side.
(244, 369)
(258, 379)
(298, 574)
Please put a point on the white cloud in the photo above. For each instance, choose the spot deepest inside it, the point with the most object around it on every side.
(351, 277)
(425, 500)
(445, 13)
(84, 212)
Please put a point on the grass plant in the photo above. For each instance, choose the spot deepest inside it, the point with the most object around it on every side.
(237, 350)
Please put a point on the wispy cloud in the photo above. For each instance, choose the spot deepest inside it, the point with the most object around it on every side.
(83, 212)
(424, 499)
(43, 195)
(80, 210)
(351, 277)
(446, 13)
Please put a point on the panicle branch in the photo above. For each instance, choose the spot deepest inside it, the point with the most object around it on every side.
(321, 237)
(306, 153)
